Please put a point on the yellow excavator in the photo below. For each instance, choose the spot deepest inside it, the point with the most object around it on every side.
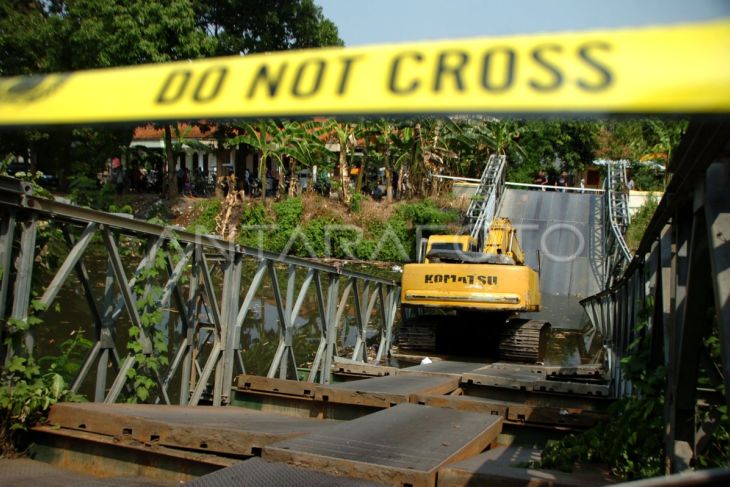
(480, 281)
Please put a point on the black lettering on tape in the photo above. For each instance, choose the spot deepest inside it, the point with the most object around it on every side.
(605, 74)
(491, 59)
(301, 91)
(451, 64)
(272, 82)
(393, 81)
(556, 75)
(347, 63)
(177, 81)
(217, 75)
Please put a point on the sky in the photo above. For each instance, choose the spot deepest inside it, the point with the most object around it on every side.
(383, 21)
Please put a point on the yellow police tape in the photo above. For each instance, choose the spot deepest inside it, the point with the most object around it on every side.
(668, 69)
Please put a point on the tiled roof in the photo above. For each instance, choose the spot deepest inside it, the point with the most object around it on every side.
(150, 132)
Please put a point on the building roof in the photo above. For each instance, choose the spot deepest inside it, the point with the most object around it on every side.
(150, 132)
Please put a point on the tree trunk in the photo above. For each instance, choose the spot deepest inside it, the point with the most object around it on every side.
(171, 172)
(363, 163)
(219, 155)
(262, 176)
(388, 184)
(293, 179)
(401, 183)
(358, 184)
(282, 183)
(344, 175)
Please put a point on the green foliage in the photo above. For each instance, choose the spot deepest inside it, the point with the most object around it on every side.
(207, 210)
(639, 221)
(83, 190)
(282, 228)
(356, 202)
(636, 139)
(425, 213)
(631, 441)
(288, 212)
(66, 35)
(147, 342)
(647, 177)
(28, 387)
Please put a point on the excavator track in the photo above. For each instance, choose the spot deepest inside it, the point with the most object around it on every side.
(510, 340)
(523, 340)
(417, 335)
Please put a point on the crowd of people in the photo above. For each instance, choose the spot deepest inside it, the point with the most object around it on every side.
(558, 182)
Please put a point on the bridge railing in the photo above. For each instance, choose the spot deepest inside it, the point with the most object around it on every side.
(616, 220)
(675, 293)
(485, 202)
(188, 310)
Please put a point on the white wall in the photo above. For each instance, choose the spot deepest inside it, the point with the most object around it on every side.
(637, 199)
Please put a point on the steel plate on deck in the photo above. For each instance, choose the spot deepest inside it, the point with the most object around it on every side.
(505, 466)
(387, 391)
(227, 430)
(405, 444)
(258, 472)
(515, 412)
(445, 367)
(30, 473)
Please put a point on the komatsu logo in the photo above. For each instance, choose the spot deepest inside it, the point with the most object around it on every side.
(470, 279)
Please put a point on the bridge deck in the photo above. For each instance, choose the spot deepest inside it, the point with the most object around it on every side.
(31, 473)
(505, 465)
(567, 229)
(232, 431)
(405, 444)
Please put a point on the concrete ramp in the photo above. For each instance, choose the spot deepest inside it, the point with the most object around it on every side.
(567, 230)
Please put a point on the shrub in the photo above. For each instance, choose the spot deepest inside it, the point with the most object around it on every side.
(208, 210)
(639, 222)
(356, 202)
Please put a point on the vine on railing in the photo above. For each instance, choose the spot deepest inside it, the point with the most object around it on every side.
(148, 343)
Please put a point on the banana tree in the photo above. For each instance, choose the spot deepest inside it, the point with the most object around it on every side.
(301, 143)
(265, 137)
(345, 135)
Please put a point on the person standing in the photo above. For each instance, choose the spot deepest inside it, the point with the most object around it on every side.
(118, 175)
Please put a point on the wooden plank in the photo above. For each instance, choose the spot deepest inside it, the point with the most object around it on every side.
(405, 444)
(506, 466)
(234, 431)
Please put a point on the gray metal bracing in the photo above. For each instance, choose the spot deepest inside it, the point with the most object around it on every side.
(616, 207)
(205, 286)
(485, 202)
(678, 286)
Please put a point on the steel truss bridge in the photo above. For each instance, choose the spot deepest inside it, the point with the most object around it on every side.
(677, 286)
